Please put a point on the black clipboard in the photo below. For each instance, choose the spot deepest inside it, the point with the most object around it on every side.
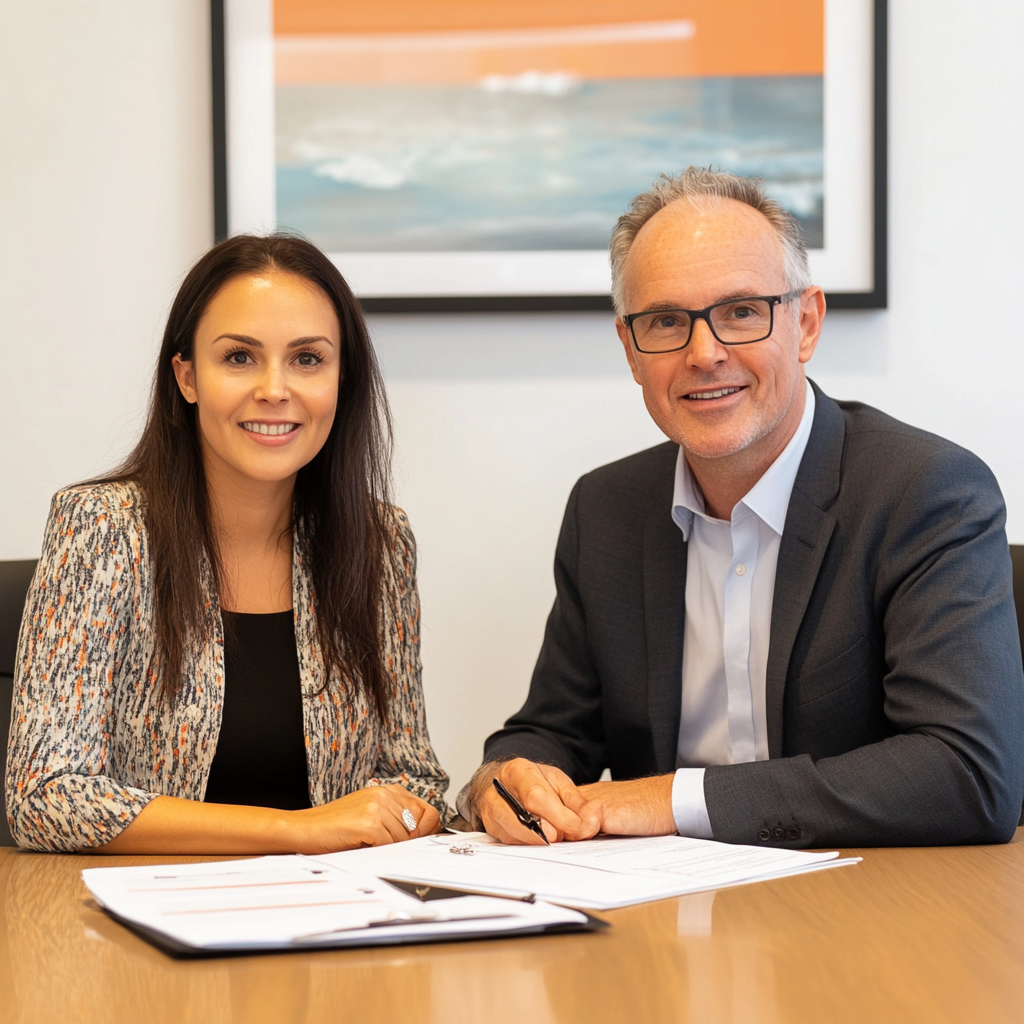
(365, 937)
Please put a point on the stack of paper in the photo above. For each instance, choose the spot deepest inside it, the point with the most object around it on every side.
(599, 874)
(347, 899)
(300, 903)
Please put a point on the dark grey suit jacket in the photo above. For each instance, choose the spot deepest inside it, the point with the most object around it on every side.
(895, 697)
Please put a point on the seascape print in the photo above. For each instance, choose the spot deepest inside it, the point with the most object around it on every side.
(435, 127)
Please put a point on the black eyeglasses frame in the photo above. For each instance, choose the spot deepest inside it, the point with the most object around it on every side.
(705, 315)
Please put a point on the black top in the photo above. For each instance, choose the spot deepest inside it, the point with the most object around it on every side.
(261, 750)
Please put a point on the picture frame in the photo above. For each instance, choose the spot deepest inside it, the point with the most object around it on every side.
(851, 262)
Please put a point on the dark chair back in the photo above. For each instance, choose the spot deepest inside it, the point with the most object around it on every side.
(1017, 557)
(14, 580)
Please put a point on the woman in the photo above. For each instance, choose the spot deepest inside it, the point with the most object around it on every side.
(220, 648)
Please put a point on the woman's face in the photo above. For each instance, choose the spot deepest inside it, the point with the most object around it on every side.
(264, 375)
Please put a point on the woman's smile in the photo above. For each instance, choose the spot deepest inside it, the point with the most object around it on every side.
(269, 433)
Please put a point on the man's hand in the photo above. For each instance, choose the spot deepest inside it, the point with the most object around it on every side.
(546, 791)
(639, 807)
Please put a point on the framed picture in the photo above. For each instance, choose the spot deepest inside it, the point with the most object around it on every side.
(452, 155)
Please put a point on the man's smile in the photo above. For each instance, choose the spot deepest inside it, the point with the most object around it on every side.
(710, 394)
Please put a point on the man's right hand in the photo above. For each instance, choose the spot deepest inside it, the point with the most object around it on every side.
(546, 791)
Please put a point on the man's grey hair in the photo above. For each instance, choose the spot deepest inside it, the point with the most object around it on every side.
(701, 188)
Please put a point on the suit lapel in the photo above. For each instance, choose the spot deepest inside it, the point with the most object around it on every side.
(664, 585)
(804, 543)
(801, 551)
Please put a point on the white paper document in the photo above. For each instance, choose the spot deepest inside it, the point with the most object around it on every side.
(296, 902)
(598, 874)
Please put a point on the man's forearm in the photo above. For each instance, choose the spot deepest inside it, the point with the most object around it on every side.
(904, 791)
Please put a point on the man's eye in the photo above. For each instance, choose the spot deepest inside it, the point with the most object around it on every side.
(741, 313)
(666, 322)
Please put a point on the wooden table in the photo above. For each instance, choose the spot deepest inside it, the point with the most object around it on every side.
(908, 935)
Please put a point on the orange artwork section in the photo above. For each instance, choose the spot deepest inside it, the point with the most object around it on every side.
(451, 41)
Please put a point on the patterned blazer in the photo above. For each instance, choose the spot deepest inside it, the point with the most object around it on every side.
(93, 741)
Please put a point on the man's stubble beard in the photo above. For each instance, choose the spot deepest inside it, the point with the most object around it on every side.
(711, 448)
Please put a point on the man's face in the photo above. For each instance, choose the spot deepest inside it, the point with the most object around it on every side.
(690, 258)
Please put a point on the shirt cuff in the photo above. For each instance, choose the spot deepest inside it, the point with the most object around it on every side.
(688, 805)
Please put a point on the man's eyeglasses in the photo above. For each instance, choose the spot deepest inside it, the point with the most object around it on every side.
(734, 322)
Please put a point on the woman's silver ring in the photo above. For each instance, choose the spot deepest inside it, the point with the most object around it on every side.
(409, 820)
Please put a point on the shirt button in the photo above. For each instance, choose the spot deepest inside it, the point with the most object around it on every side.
(741, 569)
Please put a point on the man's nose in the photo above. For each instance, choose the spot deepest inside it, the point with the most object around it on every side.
(705, 350)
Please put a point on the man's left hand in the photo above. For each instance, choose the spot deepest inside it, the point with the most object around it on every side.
(639, 807)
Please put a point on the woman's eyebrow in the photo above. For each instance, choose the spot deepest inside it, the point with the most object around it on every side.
(245, 339)
(309, 341)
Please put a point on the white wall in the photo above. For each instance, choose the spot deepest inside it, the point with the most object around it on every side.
(104, 199)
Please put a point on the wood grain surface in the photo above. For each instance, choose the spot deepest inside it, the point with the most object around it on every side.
(908, 935)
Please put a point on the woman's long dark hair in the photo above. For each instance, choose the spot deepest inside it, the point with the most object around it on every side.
(342, 508)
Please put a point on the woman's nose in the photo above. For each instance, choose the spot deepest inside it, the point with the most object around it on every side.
(272, 385)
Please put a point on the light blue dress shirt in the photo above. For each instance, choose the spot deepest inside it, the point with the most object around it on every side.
(730, 583)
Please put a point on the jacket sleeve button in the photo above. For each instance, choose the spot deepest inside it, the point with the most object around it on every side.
(764, 835)
(779, 832)
(792, 832)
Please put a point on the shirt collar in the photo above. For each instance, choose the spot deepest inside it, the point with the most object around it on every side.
(768, 499)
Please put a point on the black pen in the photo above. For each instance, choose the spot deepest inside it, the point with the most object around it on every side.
(527, 818)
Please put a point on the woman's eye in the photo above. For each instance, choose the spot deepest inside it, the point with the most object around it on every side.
(308, 359)
(237, 358)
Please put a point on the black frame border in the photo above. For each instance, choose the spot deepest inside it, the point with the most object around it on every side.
(218, 88)
(878, 298)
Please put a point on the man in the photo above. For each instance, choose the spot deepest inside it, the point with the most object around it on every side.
(793, 623)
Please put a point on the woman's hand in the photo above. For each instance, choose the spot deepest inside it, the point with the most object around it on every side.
(368, 817)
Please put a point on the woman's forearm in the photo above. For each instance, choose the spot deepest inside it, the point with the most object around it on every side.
(169, 825)
(368, 817)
